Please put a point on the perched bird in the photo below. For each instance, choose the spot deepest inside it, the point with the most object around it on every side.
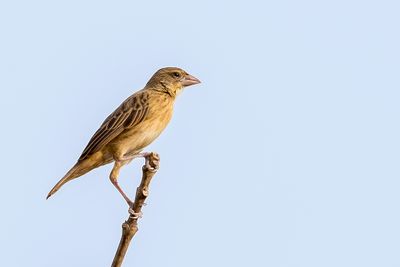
(137, 122)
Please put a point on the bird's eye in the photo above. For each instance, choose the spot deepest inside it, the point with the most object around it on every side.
(177, 74)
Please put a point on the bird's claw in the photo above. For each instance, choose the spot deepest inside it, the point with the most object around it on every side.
(149, 166)
(135, 215)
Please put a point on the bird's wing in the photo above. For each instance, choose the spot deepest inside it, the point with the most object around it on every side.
(130, 113)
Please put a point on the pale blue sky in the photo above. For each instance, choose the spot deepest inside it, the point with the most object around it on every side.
(287, 155)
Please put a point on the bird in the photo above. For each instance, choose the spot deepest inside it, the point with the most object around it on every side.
(136, 123)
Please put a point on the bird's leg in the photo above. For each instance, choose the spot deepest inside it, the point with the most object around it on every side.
(121, 161)
(114, 180)
(144, 155)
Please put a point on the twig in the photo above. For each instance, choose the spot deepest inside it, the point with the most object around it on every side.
(129, 227)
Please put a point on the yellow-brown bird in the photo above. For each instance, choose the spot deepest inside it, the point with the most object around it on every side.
(137, 122)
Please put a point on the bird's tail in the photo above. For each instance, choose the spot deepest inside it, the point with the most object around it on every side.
(73, 173)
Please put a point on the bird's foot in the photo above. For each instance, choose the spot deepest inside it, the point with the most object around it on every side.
(149, 165)
(135, 215)
(152, 161)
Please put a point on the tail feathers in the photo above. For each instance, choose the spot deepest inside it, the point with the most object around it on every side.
(71, 174)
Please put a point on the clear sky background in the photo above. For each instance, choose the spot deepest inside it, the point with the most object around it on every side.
(286, 155)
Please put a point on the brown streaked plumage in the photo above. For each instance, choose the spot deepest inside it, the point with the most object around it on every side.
(137, 122)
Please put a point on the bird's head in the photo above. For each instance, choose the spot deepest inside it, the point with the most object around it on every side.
(172, 80)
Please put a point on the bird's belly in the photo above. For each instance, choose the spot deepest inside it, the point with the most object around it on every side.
(134, 140)
(139, 140)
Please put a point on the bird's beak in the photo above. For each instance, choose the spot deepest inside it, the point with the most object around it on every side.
(190, 80)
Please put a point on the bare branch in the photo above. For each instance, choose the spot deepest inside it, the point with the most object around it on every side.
(130, 226)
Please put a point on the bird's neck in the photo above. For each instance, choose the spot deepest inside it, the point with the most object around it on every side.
(163, 88)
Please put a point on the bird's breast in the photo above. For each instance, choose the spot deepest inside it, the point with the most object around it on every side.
(138, 137)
